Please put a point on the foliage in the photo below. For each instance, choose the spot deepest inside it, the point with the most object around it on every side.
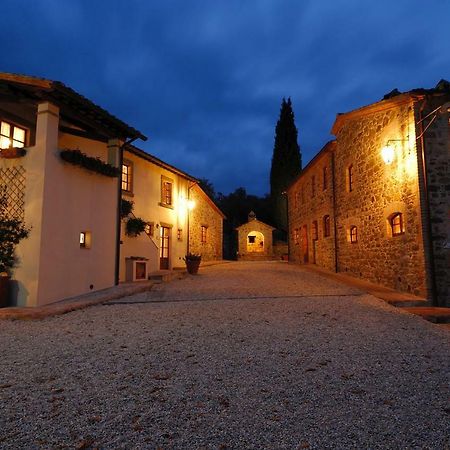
(78, 158)
(126, 207)
(135, 226)
(286, 162)
(12, 231)
(193, 257)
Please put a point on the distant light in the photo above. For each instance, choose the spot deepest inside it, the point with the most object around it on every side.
(387, 153)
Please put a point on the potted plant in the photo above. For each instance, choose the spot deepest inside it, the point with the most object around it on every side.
(192, 262)
(12, 231)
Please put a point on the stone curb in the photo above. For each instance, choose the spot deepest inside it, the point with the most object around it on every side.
(69, 305)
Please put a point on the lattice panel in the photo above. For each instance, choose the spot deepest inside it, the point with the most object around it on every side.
(12, 182)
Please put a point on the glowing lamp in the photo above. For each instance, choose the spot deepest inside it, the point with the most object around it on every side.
(387, 153)
(190, 205)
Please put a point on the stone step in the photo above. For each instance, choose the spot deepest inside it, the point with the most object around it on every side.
(433, 314)
(161, 276)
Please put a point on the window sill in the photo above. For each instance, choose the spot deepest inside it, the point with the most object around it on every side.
(127, 193)
(164, 205)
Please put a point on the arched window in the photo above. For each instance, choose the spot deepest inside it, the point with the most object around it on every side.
(396, 222)
(326, 226)
(353, 234)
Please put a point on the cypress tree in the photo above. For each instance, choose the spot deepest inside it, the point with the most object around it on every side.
(286, 162)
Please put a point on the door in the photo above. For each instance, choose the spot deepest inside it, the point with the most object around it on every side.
(164, 248)
(305, 243)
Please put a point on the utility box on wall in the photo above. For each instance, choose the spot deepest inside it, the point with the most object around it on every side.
(136, 269)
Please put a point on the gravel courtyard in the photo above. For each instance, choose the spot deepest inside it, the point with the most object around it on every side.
(244, 355)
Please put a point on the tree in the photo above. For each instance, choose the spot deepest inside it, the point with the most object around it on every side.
(286, 162)
(208, 188)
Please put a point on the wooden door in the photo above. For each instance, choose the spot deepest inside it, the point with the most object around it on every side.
(164, 248)
(305, 244)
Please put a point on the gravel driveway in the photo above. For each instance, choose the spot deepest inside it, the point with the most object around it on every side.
(245, 355)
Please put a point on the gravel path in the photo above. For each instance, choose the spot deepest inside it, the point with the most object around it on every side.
(245, 355)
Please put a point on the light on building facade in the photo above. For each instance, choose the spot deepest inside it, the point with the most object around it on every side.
(387, 153)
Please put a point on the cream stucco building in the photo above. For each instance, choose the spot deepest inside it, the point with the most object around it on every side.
(65, 165)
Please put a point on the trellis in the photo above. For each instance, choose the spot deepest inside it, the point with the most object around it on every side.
(12, 183)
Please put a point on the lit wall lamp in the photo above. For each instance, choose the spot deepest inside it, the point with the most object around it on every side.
(388, 151)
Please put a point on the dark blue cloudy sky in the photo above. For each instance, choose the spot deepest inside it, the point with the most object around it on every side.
(204, 79)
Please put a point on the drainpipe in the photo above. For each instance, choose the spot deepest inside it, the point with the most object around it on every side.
(333, 184)
(287, 222)
(428, 227)
(118, 218)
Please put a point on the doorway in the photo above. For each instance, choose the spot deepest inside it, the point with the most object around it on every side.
(164, 234)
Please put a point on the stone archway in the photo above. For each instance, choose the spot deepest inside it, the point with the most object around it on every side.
(255, 242)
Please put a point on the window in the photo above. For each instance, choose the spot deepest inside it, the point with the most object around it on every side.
(150, 229)
(296, 236)
(204, 233)
(350, 178)
(127, 173)
(326, 226)
(353, 234)
(11, 136)
(325, 178)
(180, 234)
(313, 186)
(251, 239)
(396, 222)
(166, 191)
(85, 239)
(315, 231)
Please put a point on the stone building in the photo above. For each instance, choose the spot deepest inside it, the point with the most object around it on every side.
(255, 241)
(375, 202)
(205, 226)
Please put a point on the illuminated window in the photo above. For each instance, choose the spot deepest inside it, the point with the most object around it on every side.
(127, 176)
(150, 229)
(326, 226)
(325, 177)
(296, 236)
(315, 231)
(166, 191)
(85, 239)
(204, 234)
(353, 234)
(396, 222)
(11, 136)
(350, 178)
(180, 234)
(313, 186)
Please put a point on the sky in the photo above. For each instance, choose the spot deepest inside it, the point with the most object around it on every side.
(204, 79)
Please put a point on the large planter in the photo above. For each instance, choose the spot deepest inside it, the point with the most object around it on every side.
(192, 266)
(4, 291)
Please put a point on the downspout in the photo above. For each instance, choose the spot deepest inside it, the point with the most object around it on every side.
(428, 227)
(333, 184)
(118, 215)
(188, 215)
(287, 222)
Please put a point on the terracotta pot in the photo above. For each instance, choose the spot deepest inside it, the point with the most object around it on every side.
(4, 291)
(192, 266)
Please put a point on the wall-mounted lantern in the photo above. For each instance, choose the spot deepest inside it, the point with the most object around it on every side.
(387, 153)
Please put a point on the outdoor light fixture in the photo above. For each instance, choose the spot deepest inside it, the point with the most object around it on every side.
(388, 151)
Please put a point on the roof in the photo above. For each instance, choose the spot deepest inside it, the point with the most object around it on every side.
(256, 220)
(159, 162)
(391, 99)
(74, 107)
(328, 147)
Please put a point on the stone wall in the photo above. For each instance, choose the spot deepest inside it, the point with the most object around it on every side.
(437, 158)
(308, 206)
(259, 227)
(206, 214)
(378, 190)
